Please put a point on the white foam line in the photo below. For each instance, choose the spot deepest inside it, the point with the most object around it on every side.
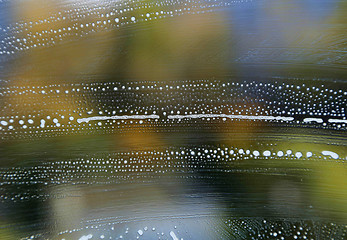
(231, 117)
(337, 120)
(318, 120)
(98, 118)
(331, 154)
(173, 235)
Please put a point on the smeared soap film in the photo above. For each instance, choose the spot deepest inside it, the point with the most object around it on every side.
(173, 119)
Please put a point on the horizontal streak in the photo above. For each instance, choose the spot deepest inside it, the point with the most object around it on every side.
(331, 154)
(337, 121)
(231, 117)
(318, 120)
(96, 118)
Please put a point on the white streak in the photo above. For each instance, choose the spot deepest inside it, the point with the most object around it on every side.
(97, 118)
(331, 154)
(173, 235)
(318, 120)
(337, 120)
(231, 117)
(89, 236)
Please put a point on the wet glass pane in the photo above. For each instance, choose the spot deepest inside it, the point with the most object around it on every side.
(176, 119)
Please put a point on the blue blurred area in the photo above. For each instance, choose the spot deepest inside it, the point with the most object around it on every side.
(281, 33)
(6, 18)
(6, 15)
(318, 10)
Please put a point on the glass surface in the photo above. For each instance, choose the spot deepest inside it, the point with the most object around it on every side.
(176, 119)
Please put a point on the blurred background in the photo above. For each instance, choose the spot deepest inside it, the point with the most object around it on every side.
(186, 119)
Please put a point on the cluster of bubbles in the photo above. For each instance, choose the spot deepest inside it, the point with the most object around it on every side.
(83, 18)
(240, 228)
(59, 109)
(112, 230)
(142, 166)
(108, 231)
(253, 228)
(145, 231)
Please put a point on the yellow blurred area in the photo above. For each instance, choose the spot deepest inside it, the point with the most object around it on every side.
(65, 55)
(329, 188)
(8, 233)
(186, 46)
(327, 177)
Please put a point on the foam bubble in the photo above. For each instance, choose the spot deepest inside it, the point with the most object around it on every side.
(267, 153)
(331, 154)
